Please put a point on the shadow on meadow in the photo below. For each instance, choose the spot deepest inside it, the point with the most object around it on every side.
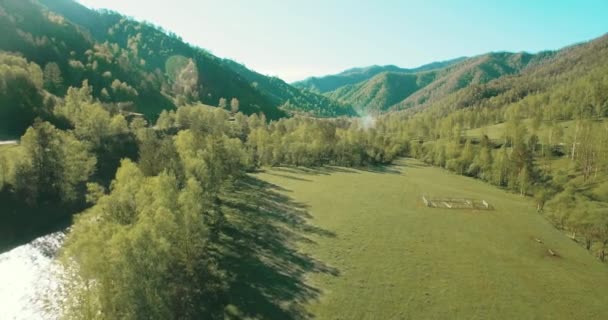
(258, 245)
(327, 170)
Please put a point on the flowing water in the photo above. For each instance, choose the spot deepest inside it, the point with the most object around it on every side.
(27, 279)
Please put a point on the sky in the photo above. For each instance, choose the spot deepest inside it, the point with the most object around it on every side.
(296, 39)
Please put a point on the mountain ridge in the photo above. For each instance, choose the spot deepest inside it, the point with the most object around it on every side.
(355, 75)
(137, 66)
(432, 82)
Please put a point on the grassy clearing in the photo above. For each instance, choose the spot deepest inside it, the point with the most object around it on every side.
(351, 244)
(495, 132)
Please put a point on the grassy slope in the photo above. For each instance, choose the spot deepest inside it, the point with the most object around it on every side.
(396, 259)
(496, 132)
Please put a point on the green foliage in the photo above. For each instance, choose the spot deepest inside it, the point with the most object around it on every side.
(137, 66)
(358, 75)
(145, 225)
(391, 88)
(290, 99)
(55, 164)
(183, 76)
(21, 96)
(382, 91)
(53, 81)
(551, 108)
(161, 214)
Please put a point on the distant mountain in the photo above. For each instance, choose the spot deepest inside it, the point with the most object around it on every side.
(563, 84)
(383, 90)
(291, 99)
(398, 90)
(357, 75)
(474, 71)
(136, 66)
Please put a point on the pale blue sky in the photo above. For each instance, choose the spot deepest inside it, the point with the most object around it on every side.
(294, 39)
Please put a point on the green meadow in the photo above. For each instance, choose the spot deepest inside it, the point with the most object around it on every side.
(496, 132)
(335, 243)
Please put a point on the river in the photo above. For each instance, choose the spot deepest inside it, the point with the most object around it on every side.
(26, 279)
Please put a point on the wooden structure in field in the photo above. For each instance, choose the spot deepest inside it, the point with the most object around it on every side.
(456, 203)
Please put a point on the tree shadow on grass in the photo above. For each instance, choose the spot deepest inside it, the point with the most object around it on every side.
(288, 177)
(258, 251)
(384, 169)
(327, 170)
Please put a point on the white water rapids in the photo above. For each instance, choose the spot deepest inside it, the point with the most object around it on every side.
(26, 279)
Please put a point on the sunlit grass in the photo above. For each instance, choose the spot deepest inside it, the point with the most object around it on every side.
(397, 259)
(496, 131)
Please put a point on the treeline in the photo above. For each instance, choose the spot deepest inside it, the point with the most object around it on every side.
(141, 249)
(552, 141)
(542, 132)
(568, 171)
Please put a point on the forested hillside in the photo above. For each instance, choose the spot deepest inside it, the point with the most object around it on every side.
(383, 90)
(134, 66)
(292, 100)
(357, 75)
(549, 137)
(397, 90)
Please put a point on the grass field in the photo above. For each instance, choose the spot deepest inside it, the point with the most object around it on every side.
(495, 132)
(338, 243)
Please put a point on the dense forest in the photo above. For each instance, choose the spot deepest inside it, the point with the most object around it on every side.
(356, 75)
(135, 67)
(143, 140)
(381, 89)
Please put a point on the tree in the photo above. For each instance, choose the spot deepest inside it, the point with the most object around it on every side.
(145, 225)
(55, 164)
(53, 81)
(223, 104)
(467, 157)
(91, 122)
(234, 105)
(21, 97)
(563, 205)
(484, 160)
(501, 167)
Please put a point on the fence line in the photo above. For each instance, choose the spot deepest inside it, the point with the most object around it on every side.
(456, 203)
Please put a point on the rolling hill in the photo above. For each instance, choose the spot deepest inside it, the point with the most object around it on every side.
(385, 89)
(562, 85)
(397, 90)
(357, 75)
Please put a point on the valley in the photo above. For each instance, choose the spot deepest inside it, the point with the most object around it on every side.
(377, 250)
(148, 176)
